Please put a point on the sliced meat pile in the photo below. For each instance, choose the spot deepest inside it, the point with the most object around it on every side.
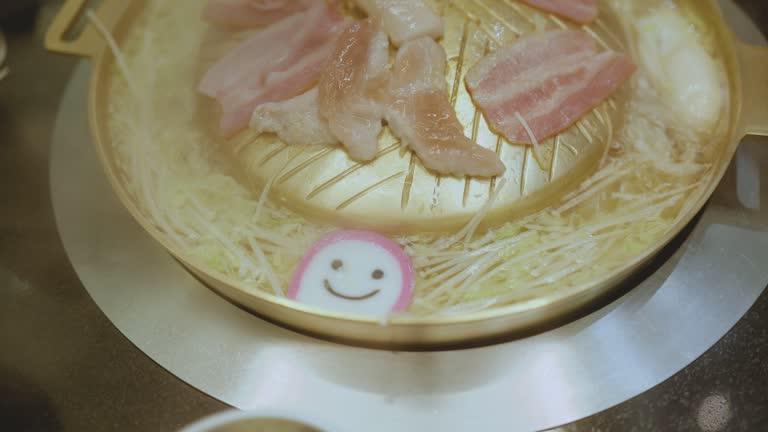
(421, 114)
(404, 20)
(358, 89)
(351, 85)
(276, 64)
(312, 78)
(580, 11)
(296, 121)
(549, 79)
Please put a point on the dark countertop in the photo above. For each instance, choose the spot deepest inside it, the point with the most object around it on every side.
(64, 366)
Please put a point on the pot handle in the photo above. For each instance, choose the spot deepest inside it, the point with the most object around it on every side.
(753, 61)
(88, 43)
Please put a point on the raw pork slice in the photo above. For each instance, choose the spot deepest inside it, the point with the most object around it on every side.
(239, 103)
(580, 11)
(550, 79)
(282, 61)
(510, 61)
(244, 14)
(422, 116)
(404, 20)
(246, 60)
(296, 121)
(350, 95)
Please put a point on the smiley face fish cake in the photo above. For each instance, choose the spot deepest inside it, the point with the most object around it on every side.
(355, 272)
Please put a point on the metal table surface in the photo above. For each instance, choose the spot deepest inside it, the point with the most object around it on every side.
(63, 366)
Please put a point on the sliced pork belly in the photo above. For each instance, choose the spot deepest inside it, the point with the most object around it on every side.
(510, 61)
(580, 11)
(244, 14)
(296, 121)
(423, 117)
(239, 103)
(350, 88)
(551, 79)
(275, 64)
(404, 20)
(247, 59)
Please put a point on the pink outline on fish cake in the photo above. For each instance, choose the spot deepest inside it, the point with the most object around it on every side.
(408, 280)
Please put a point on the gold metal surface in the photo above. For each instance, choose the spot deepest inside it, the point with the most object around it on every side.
(88, 43)
(745, 67)
(754, 69)
(395, 192)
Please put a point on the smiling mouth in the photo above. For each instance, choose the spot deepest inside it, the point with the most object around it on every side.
(330, 289)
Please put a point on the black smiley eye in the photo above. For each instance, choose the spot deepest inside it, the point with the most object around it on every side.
(337, 264)
(377, 274)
